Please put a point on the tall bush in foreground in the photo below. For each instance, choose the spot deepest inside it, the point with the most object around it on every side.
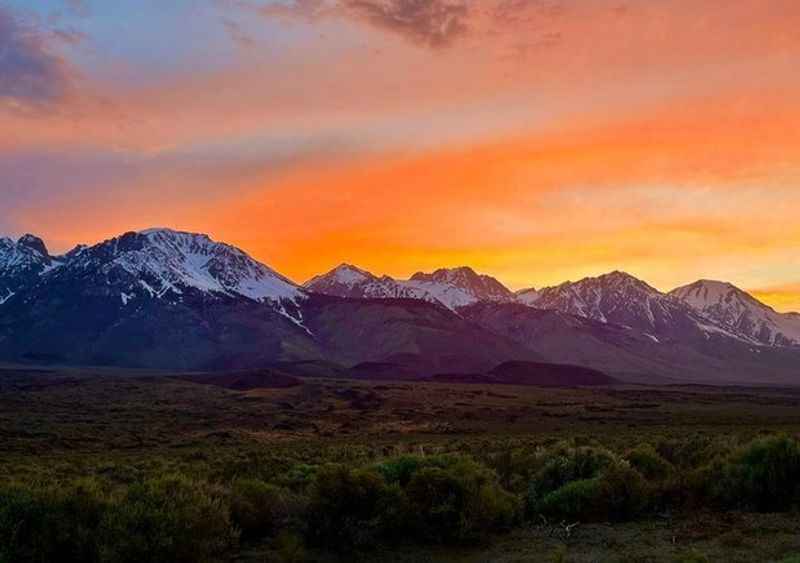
(168, 519)
(763, 476)
(50, 524)
(261, 509)
(460, 502)
(352, 509)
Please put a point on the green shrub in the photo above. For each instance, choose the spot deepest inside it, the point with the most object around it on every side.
(299, 478)
(564, 466)
(647, 461)
(22, 523)
(401, 469)
(462, 501)
(352, 509)
(695, 451)
(260, 509)
(577, 499)
(619, 493)
(764, 476)
(50, 524)
(167, 519)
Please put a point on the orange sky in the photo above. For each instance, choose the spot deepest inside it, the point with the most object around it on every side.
(537, 141)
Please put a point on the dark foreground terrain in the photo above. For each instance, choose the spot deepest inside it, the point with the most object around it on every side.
(127, 466)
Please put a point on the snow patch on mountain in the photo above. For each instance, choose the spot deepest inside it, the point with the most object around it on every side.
(170, 265)
(528, 296)
(22, 262)
(180, 260)
(452, 288)
(740, 313)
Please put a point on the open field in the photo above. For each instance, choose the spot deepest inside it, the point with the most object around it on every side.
(62, 427)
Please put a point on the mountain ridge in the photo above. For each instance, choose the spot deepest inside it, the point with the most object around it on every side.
(166, 298)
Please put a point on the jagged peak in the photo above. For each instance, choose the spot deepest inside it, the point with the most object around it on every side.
(346, 267)
(34, 243)
(168, 231)
(706, 291)
(449, 274)
(619, 275)
(717, 284)
(344, 273)
(616, 278)
(526, 291)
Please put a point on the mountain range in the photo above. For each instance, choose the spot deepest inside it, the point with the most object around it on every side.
(166, 299)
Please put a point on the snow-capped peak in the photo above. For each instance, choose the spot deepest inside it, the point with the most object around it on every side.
(34, 243)
(165, 263)
(457, 287)
(621, 299)
(343, 274)
(452, 288)
(740, 312)
(21, 264)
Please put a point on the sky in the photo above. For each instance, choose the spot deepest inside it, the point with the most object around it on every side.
(538, 141)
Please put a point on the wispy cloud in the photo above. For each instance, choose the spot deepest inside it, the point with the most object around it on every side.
(237, 33)
(79, 8)
(32, 74)
(433, 23)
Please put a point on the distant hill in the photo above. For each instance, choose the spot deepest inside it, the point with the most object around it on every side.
(548, 375)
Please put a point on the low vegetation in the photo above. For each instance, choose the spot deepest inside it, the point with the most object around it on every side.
(283, 496)
(449, 499)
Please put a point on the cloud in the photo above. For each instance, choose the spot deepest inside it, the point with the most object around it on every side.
(69, 36)
(31, 74)
(514, 12)
(430, 23)
(433, 23)
(305, 9)
(517, 26)
(238, 34)
(78, 8)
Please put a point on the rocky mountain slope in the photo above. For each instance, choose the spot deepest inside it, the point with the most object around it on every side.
(21, 264)
(174, 300)
(621, 299)
(739, 312)
(452, 288)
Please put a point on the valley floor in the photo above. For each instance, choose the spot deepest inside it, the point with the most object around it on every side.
(57, 426)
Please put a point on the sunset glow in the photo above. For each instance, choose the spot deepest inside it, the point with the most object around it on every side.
(534, 140)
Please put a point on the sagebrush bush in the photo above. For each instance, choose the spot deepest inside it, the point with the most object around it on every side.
(619, 493)
(647, 461)
(261, 509)
(352, 508)
(564, 466)
(167, 519)
(458, 502)
(193, 511)
(51, 524)
(401, 469)
(763, 476)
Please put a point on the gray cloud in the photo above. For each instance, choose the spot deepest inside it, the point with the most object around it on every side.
(238, 34)
(31, 74)
(433, 23)
(527, 25)
(78, 7)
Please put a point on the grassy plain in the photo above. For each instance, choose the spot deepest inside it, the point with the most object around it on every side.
(60, 427)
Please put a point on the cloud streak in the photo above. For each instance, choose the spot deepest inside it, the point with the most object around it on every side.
(432, 23)
(32, 75)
